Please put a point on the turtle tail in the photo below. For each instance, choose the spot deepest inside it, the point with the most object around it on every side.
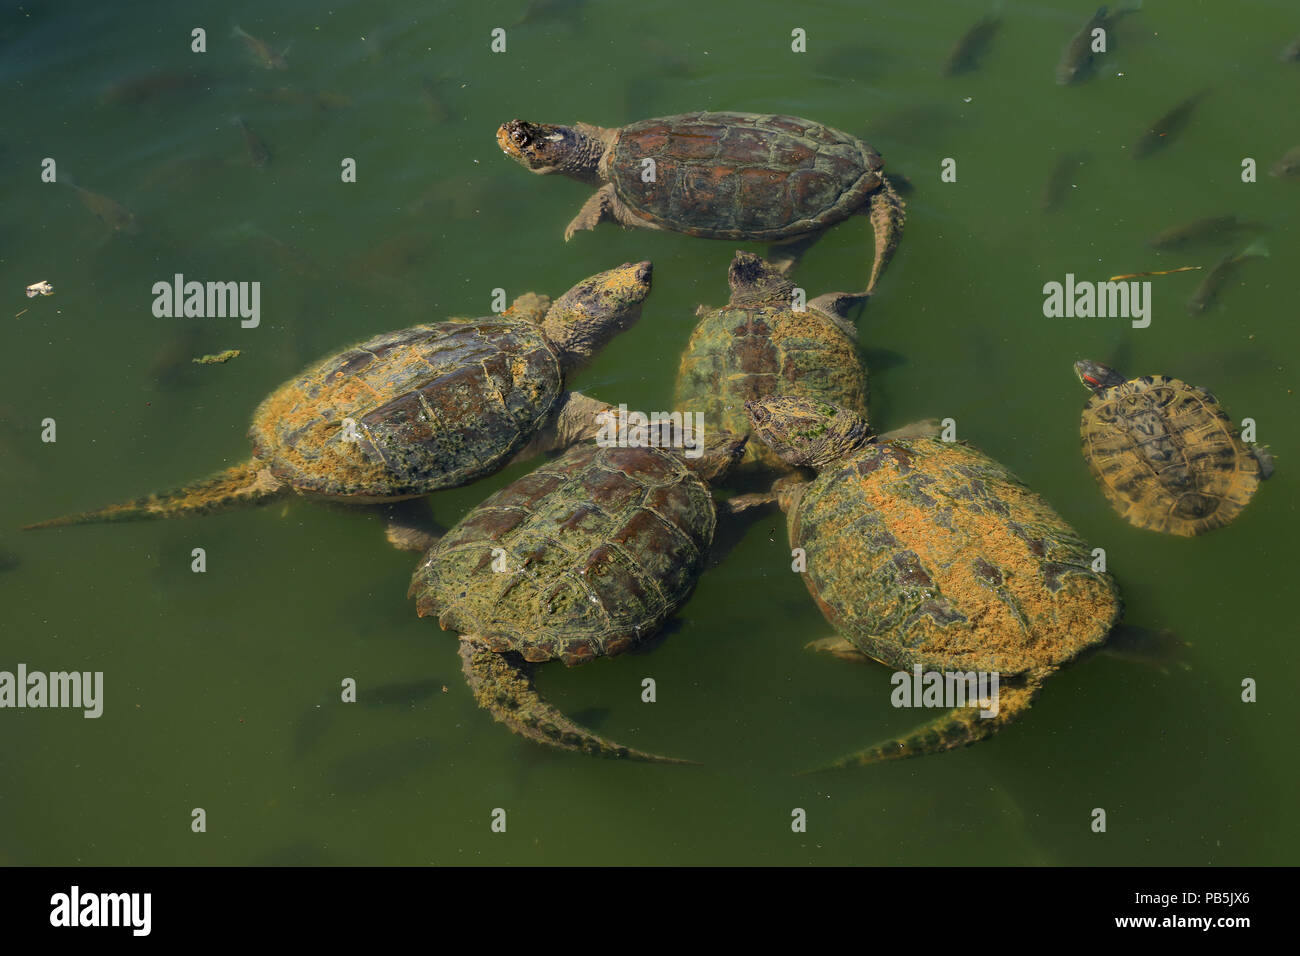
(503, 686)
(245, 484)
(887, 212)
(959, 727)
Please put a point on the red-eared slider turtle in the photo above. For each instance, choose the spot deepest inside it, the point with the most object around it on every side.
(1164, 452)
(759, 344)
(738, 176)
(585, 557)
(924, 552)
(406, 413)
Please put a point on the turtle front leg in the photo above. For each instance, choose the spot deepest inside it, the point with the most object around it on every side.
(576, 418)
(786, 255)
(597, 209)
(409, 526)
(503, 685)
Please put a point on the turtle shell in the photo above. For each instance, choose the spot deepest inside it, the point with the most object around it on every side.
(740, 175)
(434, 406)
(928, 552)
(583, 557)
(1167, 456)
(736, 355)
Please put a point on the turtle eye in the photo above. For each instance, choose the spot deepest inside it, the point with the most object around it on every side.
(519, 137)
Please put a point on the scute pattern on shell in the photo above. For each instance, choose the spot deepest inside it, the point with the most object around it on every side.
(599, 547)
(742, 175)
(927, 552)
(435, 406)
(736, 355)
(1166, 455)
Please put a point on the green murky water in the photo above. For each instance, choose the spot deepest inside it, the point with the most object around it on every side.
(221, 688)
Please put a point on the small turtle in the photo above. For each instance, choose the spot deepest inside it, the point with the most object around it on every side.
(738, 176)
(410, 412)
(1164, 452)
(758, 345)
(585, 557)
(925, 552)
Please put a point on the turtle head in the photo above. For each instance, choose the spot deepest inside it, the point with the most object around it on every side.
(585, 318)
(1096, 376)
(754, 280)
(712, 455)
(571, 150)
(803, 432)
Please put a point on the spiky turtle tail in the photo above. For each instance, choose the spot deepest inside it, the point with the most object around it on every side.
(887, 212)
(960, 727)
(504, 687)
(245, 484)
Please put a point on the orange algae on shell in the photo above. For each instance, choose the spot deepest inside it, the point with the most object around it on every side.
(408, 412)
(926, 552)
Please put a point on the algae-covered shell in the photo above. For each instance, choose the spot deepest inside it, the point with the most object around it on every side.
(1166, 455)
(737, 354)
(408, 412)
(928, 552)
(583, 557)
(741, 175)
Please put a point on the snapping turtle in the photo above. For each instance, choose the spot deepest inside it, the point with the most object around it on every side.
(758, 345)
(739, 176)
(585, 557)
(928, 553)
(409, 412)
(1164, 452)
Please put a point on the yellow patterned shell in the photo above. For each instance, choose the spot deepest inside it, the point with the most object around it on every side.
(1167, 456)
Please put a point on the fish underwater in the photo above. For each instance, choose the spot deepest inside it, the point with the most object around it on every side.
(972, 47)
(1164, 130)
(1078, 59)
(261, 51)
(1208, 291)
(1215, 229)
(259, 155)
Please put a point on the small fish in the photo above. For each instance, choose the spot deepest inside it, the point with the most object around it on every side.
(970, 49)
(1224, 269)
(434, 104)
(399, 694)
(108, 211)
(262, 52)
(1061, 180)
(1291, 52)
(39, 288)
(258, 153)
(220, 358)
(292, 96)
(1288, 167)
(9, 561)
(541, 9)
(1213, 229)
(1076, 64)
(1166, 128)
(135, 90)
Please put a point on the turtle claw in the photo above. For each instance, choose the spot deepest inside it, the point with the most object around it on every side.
(505, 689)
